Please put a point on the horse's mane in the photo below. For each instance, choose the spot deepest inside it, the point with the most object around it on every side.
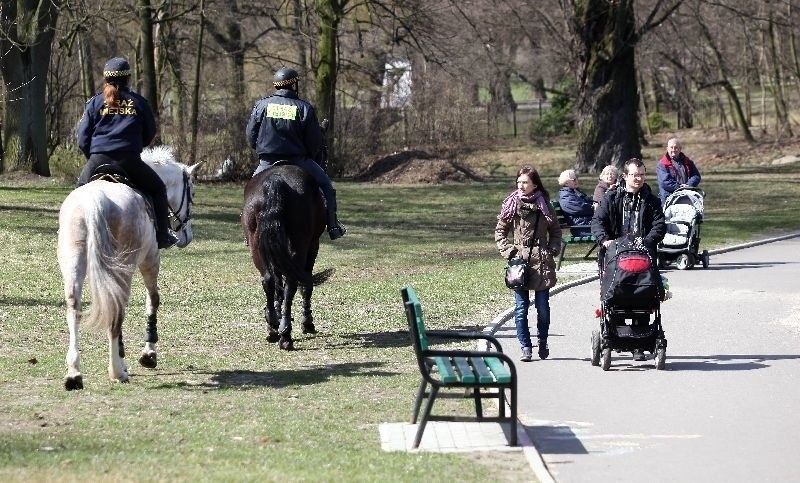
(159, 155)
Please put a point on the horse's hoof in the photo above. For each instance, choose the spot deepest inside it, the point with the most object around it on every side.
(308, 328)
(273, 337)
(148, 360)
(286, 344)
(72, 383)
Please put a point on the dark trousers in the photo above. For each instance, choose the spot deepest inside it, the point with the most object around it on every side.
(141, 175)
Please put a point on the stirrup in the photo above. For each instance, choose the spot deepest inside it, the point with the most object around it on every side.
(337, 231)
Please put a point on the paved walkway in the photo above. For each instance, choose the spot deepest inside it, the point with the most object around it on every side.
(558, 441)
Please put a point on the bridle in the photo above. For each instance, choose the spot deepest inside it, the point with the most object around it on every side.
(186, 200)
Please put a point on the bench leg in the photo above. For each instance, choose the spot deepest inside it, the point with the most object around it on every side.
(418, 402)
(513, 404)
(425, 416)
(501, 400)
(476, 393)
(561, 255)
(586, 257)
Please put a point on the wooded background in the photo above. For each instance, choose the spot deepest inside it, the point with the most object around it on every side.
(606, 71)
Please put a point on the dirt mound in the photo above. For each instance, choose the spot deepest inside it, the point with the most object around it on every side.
(416, 167)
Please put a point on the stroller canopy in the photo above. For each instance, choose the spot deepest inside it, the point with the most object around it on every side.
(688, 197)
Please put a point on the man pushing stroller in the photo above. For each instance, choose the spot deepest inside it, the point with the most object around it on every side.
(630, 212)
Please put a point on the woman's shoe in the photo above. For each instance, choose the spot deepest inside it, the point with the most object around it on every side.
(527, 354)
(544, 352)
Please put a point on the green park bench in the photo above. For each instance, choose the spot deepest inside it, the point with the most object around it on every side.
(567, 237)
(476, 374)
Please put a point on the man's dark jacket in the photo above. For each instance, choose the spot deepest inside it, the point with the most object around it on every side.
(607, 221)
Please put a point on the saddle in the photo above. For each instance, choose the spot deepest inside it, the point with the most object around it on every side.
(115, 174)
(112, 174)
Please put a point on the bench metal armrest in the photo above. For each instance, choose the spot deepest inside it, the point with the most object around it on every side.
(449, 334)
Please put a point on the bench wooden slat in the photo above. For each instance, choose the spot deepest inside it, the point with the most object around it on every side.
(446, 371)
(481, 370)
(499, 369)
(464, 368)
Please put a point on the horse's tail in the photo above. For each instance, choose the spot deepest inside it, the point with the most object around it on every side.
(274, 242)
(107, 275)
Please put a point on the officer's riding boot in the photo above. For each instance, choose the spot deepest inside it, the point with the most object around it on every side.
(335, 229)
(164, 235)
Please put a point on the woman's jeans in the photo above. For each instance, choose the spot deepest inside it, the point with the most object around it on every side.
(521, 305)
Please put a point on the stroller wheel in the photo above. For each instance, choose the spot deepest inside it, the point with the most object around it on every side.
(704, 258)
(661, 358)
(606, 363)
(596, 348)
(684, 261)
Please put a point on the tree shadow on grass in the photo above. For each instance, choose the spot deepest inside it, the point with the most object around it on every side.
(278, 379)
(375, 340)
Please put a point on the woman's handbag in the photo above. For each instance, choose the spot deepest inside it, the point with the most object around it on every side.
(517, 273)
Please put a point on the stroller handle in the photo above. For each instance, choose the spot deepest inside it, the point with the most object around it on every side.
(691, 188)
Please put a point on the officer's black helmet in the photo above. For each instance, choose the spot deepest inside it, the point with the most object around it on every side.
(285, 77)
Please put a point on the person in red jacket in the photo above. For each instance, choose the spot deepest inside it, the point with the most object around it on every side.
(675, 170)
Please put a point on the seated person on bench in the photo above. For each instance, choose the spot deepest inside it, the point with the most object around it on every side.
(576, 205)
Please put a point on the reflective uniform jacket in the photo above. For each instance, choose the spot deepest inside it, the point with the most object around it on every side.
(283, 126)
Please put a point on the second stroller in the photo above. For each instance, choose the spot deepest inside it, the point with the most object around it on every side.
(683, 212)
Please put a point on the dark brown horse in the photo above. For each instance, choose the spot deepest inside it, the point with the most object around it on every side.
(283, 218)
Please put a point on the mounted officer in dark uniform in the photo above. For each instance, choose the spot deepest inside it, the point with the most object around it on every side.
(283, 127)
(116, 125)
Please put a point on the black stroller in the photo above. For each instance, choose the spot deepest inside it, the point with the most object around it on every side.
(683, 212)
(631, 289)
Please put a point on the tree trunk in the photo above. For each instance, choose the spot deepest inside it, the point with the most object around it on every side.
(793, 46)
(782, 126)
(608, 98)
(87, 66)
(724, 81)
(501, 102)
(229, 37)
(27, 45)
(196, 88)
(330, 14)
(147, 56)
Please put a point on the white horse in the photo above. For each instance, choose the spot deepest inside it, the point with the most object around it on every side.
(106, 231)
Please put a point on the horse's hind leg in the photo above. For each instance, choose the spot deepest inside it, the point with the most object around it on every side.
(308, 319)
(72, 261)
(271, 310)
(72, 290)
(149, 356)
(285, 329)
(117, 369)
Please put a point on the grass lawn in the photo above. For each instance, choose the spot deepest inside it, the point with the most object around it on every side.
(224, 404)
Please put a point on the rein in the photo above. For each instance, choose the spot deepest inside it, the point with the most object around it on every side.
(186, 199)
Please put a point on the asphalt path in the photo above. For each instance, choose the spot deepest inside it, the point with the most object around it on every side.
(725, 409)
